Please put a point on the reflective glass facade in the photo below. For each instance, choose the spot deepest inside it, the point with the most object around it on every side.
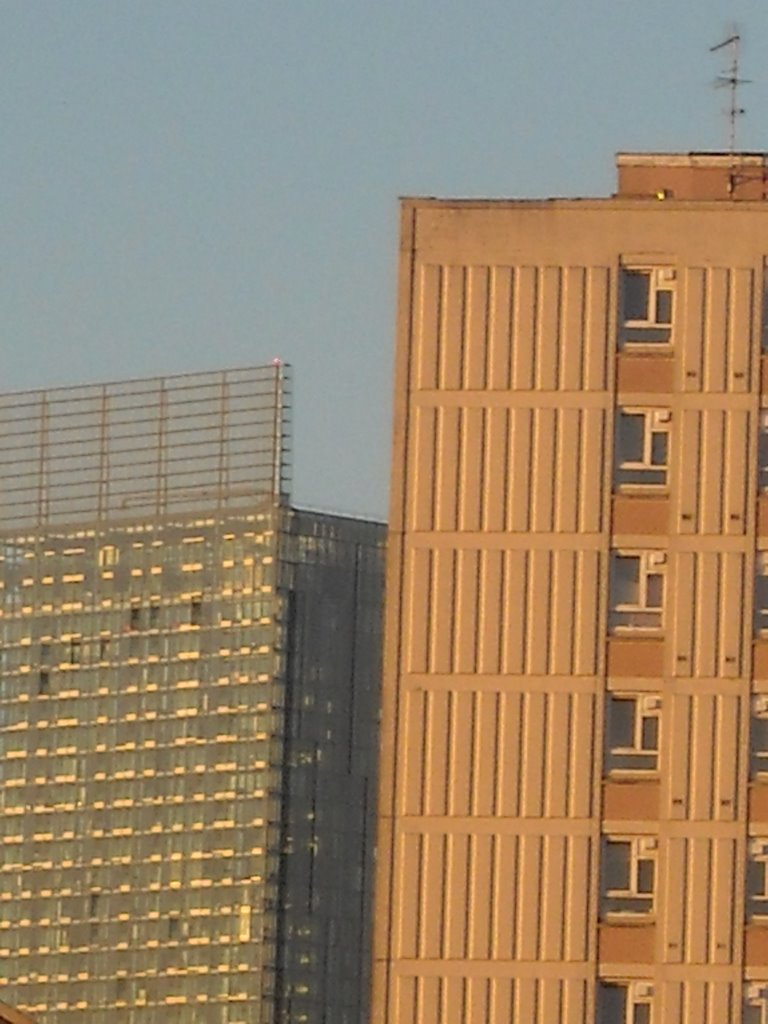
(187, 730)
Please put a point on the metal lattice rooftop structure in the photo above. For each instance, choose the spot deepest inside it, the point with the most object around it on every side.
(144, 448)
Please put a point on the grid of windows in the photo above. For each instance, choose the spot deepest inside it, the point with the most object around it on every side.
(174, 733)
(172, 840)
(146, 706)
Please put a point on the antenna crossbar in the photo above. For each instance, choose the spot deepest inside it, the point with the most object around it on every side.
(731, 80)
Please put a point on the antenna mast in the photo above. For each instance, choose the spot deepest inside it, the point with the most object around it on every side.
(730, 79)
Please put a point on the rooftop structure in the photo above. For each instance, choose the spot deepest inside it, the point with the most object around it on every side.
(144, 448)
(699, 176)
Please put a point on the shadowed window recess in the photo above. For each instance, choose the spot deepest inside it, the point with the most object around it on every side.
(642, 448)
(647, 305)
(625, 1002)
(629, 875)
(632, 732)
(637, 590)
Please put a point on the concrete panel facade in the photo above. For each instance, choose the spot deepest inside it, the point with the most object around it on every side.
(571, 814)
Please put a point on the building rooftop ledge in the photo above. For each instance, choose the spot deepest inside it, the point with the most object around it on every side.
(693, 159)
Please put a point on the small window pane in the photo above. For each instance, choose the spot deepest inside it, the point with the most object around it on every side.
(752, 1015)
(645, 874)
(631, 433)
(755, 877)
(640, 619)
(640, 476)
(759, 742)
(641, 1014)
(626, 579)
(663, 307)
(617, 860)
(659, 449)
(650, 734)
(647, 335)
(762, 453)
(637, 288)
(655, 592)
(761, 601)
(612, 1004)
(642, 761)
(622, 722)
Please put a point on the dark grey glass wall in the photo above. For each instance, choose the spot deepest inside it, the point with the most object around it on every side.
(332, 572)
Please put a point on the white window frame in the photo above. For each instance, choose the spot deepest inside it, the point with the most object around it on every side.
(641, 849)
(660, 279)
(646, 706)
(651, 563)
(637, 993)
(759, 753)
(762, 450)
(758, 854)
(656, 421)
(761, 611)
(756, 996)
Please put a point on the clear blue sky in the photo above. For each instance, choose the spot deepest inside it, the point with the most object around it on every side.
(194, 184)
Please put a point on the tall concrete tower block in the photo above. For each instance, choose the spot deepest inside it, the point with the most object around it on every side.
(573, 823)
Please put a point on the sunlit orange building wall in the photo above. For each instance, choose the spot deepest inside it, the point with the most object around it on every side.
(574, 808)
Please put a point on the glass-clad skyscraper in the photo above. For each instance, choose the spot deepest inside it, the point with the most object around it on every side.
(188, 703)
